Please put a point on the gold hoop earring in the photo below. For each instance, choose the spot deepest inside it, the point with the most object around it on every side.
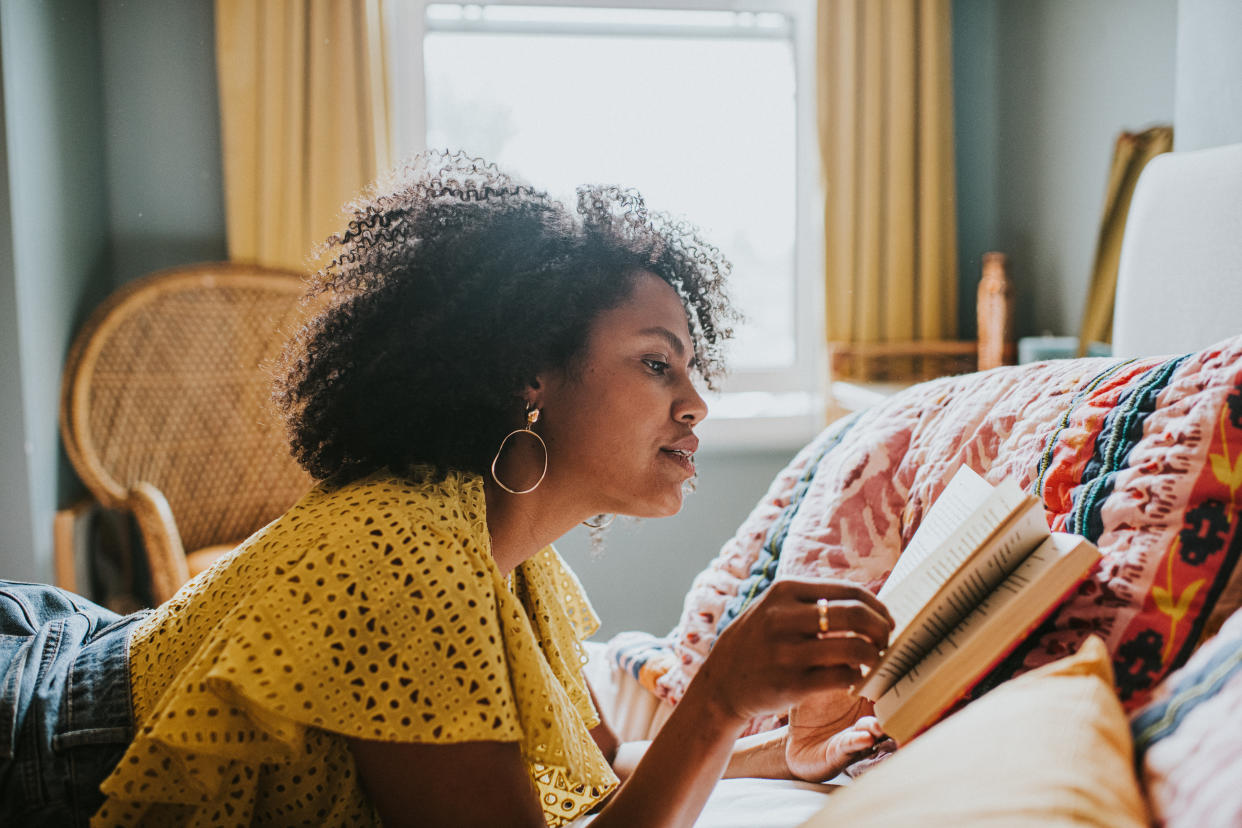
(603, 524)
(532, 416)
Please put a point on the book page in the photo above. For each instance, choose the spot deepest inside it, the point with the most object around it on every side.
(959, 592)
(924, 575)
(986, 635)
(966, 492)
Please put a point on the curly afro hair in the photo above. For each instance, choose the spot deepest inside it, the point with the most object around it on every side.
(452, 288)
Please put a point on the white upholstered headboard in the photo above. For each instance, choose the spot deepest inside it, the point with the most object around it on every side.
(1179, 282)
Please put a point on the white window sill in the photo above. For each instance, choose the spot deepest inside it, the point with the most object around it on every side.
(784, 420)
(855, 396)
(761, 421)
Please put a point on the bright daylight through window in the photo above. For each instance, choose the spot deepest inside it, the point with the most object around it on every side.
(697, 108)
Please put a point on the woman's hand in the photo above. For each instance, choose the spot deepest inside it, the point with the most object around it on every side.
(774, 655)
(819, 751)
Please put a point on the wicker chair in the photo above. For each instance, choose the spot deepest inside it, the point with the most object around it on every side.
(166, 411)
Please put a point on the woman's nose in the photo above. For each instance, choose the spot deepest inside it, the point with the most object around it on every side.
(690, 407)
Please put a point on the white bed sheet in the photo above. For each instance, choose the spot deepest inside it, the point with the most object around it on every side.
(735, 803)
(757, 803)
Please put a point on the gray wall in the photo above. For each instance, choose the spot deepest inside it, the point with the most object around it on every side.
(111, 169)
(1209, 74)
(1042, 91)
(165, 183)
(640, 579)
(976, 113)
(16, 520)
(57, 270)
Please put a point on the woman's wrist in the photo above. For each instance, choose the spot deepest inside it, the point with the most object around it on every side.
(761, 755)
(715, 715)
(706, 693)
(679, 767)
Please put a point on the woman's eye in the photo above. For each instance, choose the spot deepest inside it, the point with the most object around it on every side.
(657, 366)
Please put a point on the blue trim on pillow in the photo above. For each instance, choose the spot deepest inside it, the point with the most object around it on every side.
(1045, 459)
(1122, 430)
(1190, 689)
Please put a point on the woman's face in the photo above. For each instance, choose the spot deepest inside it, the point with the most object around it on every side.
(619, 428)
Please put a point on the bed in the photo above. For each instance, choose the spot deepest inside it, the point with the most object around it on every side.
(1141, 451)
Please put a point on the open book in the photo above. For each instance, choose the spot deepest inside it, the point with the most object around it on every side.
(979, 574)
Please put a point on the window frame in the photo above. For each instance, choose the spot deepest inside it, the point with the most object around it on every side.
(778, 408)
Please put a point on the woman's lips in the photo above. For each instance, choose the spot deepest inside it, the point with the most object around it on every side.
(682, 457)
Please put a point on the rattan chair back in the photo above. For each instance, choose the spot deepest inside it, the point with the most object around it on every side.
(169, 385)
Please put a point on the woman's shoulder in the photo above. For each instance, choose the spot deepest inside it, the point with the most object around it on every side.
(337, 533)
(451, 502)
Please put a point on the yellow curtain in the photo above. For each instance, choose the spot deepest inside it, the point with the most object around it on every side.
(1130, 154)
(886, 137)
(304, 111)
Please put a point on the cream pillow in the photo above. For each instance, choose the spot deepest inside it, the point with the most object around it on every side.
(1051, 747)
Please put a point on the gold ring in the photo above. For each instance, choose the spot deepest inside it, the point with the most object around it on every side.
(822, 606)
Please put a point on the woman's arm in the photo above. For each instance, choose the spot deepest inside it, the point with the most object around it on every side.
(605, 737)
(679, 768)
(767, 660)
(468, 784)
(759, 755)
(778, 754)
(488, 783)
(815, 747)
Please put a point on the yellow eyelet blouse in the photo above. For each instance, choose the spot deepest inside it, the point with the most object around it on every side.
(373, 611)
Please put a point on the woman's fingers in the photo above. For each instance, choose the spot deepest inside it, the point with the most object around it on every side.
(836, 608)
(843, 618)
(846, 618)
(802, 636)
(854, 651)
(872, 725)
(800, 653)
(856, 741)
(809, 591)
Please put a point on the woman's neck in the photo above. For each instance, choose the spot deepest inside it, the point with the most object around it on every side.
(521, 525)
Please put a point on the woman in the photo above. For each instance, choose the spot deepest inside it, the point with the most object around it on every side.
(487, 370)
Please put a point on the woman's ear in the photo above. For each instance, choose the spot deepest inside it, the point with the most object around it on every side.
(531, 394)
(534, 390)
(547, 386)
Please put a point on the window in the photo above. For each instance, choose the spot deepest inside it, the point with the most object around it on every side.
(705, 108)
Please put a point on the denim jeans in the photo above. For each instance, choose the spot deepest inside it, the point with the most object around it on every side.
(66, 715)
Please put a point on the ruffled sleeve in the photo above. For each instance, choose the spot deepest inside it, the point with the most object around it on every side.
(378, 614)
(402, 648)
(562, 617)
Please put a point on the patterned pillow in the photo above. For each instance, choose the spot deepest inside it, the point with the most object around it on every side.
(1188, 740)
(1144, 457)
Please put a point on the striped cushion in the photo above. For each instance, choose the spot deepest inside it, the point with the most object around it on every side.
(1188, 740)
